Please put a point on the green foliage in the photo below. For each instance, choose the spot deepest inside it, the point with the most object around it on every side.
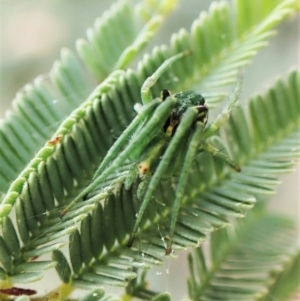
(40, 175)
(246, 262)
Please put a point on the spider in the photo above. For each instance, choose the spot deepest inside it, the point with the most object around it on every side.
(152, 141)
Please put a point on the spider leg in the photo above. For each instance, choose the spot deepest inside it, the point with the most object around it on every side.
(135, 146)
(131, 176)
(225, 114)
(125, 136)
(151, 80)
(142, 188)
(192, 149)
(183, 128)
(220, 155)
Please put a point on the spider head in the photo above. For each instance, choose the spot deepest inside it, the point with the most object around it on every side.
(188, 99)
(185, 100)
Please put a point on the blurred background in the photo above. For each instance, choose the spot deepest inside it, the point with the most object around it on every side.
(34, 31)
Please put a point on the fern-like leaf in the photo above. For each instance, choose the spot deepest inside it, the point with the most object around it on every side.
(205, 209)
(246, 262)
(208, 206)
(60, 170)
(36, 108)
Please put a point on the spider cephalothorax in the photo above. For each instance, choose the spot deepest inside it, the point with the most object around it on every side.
(152, 140)
(184, 100)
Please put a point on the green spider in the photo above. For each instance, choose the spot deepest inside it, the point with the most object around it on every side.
(152, 140)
